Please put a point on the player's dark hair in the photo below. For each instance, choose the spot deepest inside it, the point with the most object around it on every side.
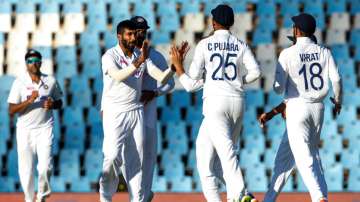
(125, 24)
(304, 33)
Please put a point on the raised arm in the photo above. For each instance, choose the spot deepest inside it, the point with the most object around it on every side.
(177, 57)
(110, 68)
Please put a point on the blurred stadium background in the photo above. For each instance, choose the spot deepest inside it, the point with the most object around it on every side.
(72, 35)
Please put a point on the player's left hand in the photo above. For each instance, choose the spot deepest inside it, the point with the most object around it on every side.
(147, 96)
(337, 106)
(48, 103)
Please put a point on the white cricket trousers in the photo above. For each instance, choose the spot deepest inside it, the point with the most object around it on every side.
(150, 147)
(217, 137)
(299, 147)
(122, 147)
(32, 143)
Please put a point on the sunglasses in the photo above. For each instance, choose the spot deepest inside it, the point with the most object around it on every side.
(33, 61)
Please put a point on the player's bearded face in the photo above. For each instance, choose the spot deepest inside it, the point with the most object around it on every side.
(127, 39)
(140, 36)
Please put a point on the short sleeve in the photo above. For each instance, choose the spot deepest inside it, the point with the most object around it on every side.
(57, 93)
(15, 94)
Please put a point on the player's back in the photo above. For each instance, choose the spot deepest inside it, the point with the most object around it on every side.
(309, 67)
(221, 56)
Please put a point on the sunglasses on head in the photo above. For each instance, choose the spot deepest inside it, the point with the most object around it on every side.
(33, 60)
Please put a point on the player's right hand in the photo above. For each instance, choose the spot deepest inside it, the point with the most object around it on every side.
(337, 106)
(34, 95)
(183, 49)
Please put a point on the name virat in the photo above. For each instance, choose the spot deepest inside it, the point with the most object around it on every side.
(309, 57)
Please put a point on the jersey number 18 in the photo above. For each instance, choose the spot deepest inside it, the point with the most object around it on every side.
(227, 64)
(315, 72)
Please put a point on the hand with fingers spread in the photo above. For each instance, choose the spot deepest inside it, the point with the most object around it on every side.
(176, 60)
(183, 49)
(337, 106)
(144, 54)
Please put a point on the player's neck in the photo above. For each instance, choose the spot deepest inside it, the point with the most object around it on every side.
(126, 51)
(35, 77)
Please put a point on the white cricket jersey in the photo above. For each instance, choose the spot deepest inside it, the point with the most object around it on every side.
(125, 95)
(221, 56)
(304, 70)
(35, 116)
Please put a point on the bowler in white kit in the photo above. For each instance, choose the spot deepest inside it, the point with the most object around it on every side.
(33, 96)
(123, 120)
(303, 74)
(219, 57)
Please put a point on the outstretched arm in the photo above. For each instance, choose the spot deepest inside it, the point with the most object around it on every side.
(177, 57)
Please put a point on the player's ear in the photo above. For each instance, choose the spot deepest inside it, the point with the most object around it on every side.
(119, 36)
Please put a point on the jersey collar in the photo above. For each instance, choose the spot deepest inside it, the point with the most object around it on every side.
(303, 40)
(43, 79)
(222, 32)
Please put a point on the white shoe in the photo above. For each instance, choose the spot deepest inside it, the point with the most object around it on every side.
(40, 200)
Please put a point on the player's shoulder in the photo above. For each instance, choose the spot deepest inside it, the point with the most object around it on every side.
(48, 78)
(288, 51)
(324, 49)
(110, 53)
(155, 53)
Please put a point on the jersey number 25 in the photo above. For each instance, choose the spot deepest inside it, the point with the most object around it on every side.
(220, 76)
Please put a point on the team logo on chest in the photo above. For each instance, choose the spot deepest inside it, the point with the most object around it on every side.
(46, 87)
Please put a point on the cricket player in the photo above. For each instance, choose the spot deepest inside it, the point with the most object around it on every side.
(33, 96)
(220, 58)
(302, 74)
(150, 90)
(122, 110)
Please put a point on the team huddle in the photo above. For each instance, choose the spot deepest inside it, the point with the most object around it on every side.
(134, 74)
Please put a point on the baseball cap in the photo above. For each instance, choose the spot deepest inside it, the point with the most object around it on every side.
(32, 53)
(305, 22)
(223, 14)
(140, 22)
